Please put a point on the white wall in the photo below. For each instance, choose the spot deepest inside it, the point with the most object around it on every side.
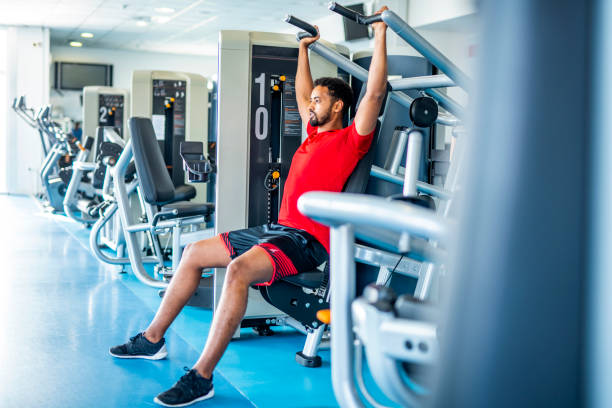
(424, 12)
(27, 73)
(3, 108)
(124, 62)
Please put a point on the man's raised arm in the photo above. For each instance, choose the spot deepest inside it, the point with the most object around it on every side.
(303, 78)
(367, 114)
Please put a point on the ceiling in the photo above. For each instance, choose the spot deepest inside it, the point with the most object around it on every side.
(189, 27)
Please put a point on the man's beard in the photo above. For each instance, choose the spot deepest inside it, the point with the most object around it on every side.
(315, 121)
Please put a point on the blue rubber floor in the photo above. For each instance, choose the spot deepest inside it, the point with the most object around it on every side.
(60, 310)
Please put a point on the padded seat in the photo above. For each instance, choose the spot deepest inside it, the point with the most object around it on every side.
(183, 193)
(187, 209)
(310, 280)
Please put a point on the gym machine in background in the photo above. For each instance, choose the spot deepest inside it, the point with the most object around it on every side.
(258, 133)
(105, 106)
(176, 103)
(102, 106)
(56, 170)
(170, 108)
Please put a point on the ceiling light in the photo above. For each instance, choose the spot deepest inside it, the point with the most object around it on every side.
(76, 44)
(164, 10)
(142, 23)
(161, 19)
(87, 35)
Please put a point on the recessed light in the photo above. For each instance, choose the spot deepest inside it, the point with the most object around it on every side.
(76, 44)
(142, 23)
(160, 19)
(165, 10)
(87, 35)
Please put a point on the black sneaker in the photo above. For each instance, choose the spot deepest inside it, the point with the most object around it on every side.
(190, 388)
(140, 347)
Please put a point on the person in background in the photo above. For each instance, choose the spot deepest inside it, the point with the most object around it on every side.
(77, 131)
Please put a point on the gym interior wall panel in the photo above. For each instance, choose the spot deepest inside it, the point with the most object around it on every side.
(27, 74)
(124, 63)
(422, 13)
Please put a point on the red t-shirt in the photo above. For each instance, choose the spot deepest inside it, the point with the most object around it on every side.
(322, 163)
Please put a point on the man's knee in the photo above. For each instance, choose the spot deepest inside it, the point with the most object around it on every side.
(189, 252)
(237, 273)
(195, 254)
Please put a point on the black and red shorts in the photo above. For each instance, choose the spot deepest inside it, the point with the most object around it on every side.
(291, 250)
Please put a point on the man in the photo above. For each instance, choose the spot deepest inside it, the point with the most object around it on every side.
(261, 255)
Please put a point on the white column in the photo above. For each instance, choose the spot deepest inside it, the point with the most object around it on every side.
(27, 73)
(4, 109)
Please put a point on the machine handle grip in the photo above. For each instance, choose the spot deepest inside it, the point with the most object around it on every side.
(301, 35)
(353, 15)
(375, 18)
(344, 12)
(301, 24)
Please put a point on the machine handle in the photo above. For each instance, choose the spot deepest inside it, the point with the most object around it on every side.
(301, 35)
(353, 15)
(301, 24)
(344, 12)
(158, 216)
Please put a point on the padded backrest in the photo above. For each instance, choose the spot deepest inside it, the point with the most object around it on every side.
(155, 181)
(358, 180)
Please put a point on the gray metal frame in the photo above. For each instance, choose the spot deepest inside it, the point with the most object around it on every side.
(408, 34)
(79, 166)
(424, 83)
(345, 214)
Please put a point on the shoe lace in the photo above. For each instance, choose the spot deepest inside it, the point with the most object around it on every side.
(187, 377)
(187, 382)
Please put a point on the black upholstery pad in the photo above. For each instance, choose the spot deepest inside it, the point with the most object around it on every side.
(187, 209)
(184, 193)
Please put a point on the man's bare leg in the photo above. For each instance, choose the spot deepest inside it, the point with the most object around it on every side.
(254, 266)
(208, 253)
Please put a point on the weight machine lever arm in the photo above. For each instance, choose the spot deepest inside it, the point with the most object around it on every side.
(310, 29)
(353, 15)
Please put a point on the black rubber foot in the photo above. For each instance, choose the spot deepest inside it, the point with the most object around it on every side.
(263, 330)
(307, 361)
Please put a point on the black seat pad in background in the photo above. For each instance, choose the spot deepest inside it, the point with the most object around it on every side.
(184, 193)
(157, 186)
(187, 209)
